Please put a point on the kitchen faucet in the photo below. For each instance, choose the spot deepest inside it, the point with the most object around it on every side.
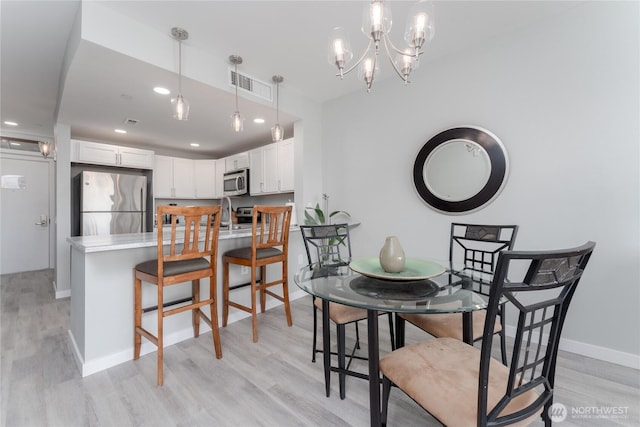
(230, 223)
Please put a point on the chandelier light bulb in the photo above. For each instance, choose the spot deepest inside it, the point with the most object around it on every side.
(405, 63)
(367, 71)
(339, 49)
(376, 17)
(420, 26)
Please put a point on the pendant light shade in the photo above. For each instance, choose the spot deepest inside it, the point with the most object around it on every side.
(45, 148)
(277, 133)
(180, 105)
(237, 121)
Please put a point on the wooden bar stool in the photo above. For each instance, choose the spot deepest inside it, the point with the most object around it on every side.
(270, 231)
(201, 229)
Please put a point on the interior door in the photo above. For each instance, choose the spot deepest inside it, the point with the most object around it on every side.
(24, 215)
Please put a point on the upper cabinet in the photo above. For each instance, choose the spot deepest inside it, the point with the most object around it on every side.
(286, 168)
(237, 161)
(256, 171)
(205, 179)
(272, 168)
(111, 155)
(173, 178)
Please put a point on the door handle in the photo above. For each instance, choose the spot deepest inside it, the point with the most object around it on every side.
(44, 221)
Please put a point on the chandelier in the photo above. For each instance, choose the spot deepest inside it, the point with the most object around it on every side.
(376, 25)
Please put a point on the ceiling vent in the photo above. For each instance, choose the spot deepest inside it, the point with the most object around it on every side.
(253, 86)
(131, 121)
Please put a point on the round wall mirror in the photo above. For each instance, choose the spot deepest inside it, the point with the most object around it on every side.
(461, 169)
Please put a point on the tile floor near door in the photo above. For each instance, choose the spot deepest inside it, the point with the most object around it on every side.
(271, 383)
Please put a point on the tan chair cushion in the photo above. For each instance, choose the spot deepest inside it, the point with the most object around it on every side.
(245, 253)
(173, 267)
(449, 325)
(341, 314)
(442, 376)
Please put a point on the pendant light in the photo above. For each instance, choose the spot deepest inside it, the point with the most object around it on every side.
(236, 118)
(45, 148)
(179, 104)
(277, 133)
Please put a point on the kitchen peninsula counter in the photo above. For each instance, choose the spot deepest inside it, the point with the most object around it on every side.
(87, 244)
(101, 324)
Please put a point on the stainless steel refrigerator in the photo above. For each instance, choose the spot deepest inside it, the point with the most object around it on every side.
(112, 203)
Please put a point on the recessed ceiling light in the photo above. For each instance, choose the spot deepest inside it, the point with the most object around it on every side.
(194, 144)
(258, 120)
(8, 123)
(14, 143)
(161, 90)
(120, 131)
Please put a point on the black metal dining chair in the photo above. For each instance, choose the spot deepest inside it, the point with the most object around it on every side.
(329, 246)
(459, 384)
(473, 253)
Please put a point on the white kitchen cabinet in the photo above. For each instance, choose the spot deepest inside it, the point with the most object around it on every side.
(219, 186)
(256, 171)
(205, 179)
(173, 178)
(163, 177)
(286, 168)
(183, 178)
(111, 155)
(272, 168)
(237, 161)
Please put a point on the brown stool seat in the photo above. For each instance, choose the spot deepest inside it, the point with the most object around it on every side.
(200, 241)
(245, 253)
(269, 245)
(173, 268)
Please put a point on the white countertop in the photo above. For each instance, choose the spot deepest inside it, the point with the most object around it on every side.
(114, 242)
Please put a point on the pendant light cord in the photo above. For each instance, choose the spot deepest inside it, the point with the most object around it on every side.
(180, 67)
(278, 103)
(236, 71)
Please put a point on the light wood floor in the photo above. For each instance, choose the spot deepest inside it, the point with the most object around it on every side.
(271, 383)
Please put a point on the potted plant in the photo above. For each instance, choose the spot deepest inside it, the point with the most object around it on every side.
(319, 216)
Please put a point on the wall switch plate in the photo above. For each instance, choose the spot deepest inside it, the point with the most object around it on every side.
(244, 269)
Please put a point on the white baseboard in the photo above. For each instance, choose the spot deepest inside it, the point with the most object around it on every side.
(93, 366)
(76, 352)
(64, 293)
(596, 352)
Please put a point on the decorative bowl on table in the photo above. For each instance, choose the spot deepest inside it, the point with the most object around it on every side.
(414, 269)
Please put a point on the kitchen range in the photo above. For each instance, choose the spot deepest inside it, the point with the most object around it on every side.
(244, 215)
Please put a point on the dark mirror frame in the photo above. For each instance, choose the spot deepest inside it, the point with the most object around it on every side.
(497, 178)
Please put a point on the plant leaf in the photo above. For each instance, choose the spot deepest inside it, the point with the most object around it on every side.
(339, 212)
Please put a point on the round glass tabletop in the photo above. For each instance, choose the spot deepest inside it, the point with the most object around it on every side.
(446, 293)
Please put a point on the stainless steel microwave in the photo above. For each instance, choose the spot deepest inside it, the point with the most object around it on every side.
(236, 183)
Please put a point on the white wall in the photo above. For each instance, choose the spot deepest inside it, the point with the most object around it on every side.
(564, 99)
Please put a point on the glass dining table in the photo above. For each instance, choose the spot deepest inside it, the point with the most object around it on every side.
(446, 292)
